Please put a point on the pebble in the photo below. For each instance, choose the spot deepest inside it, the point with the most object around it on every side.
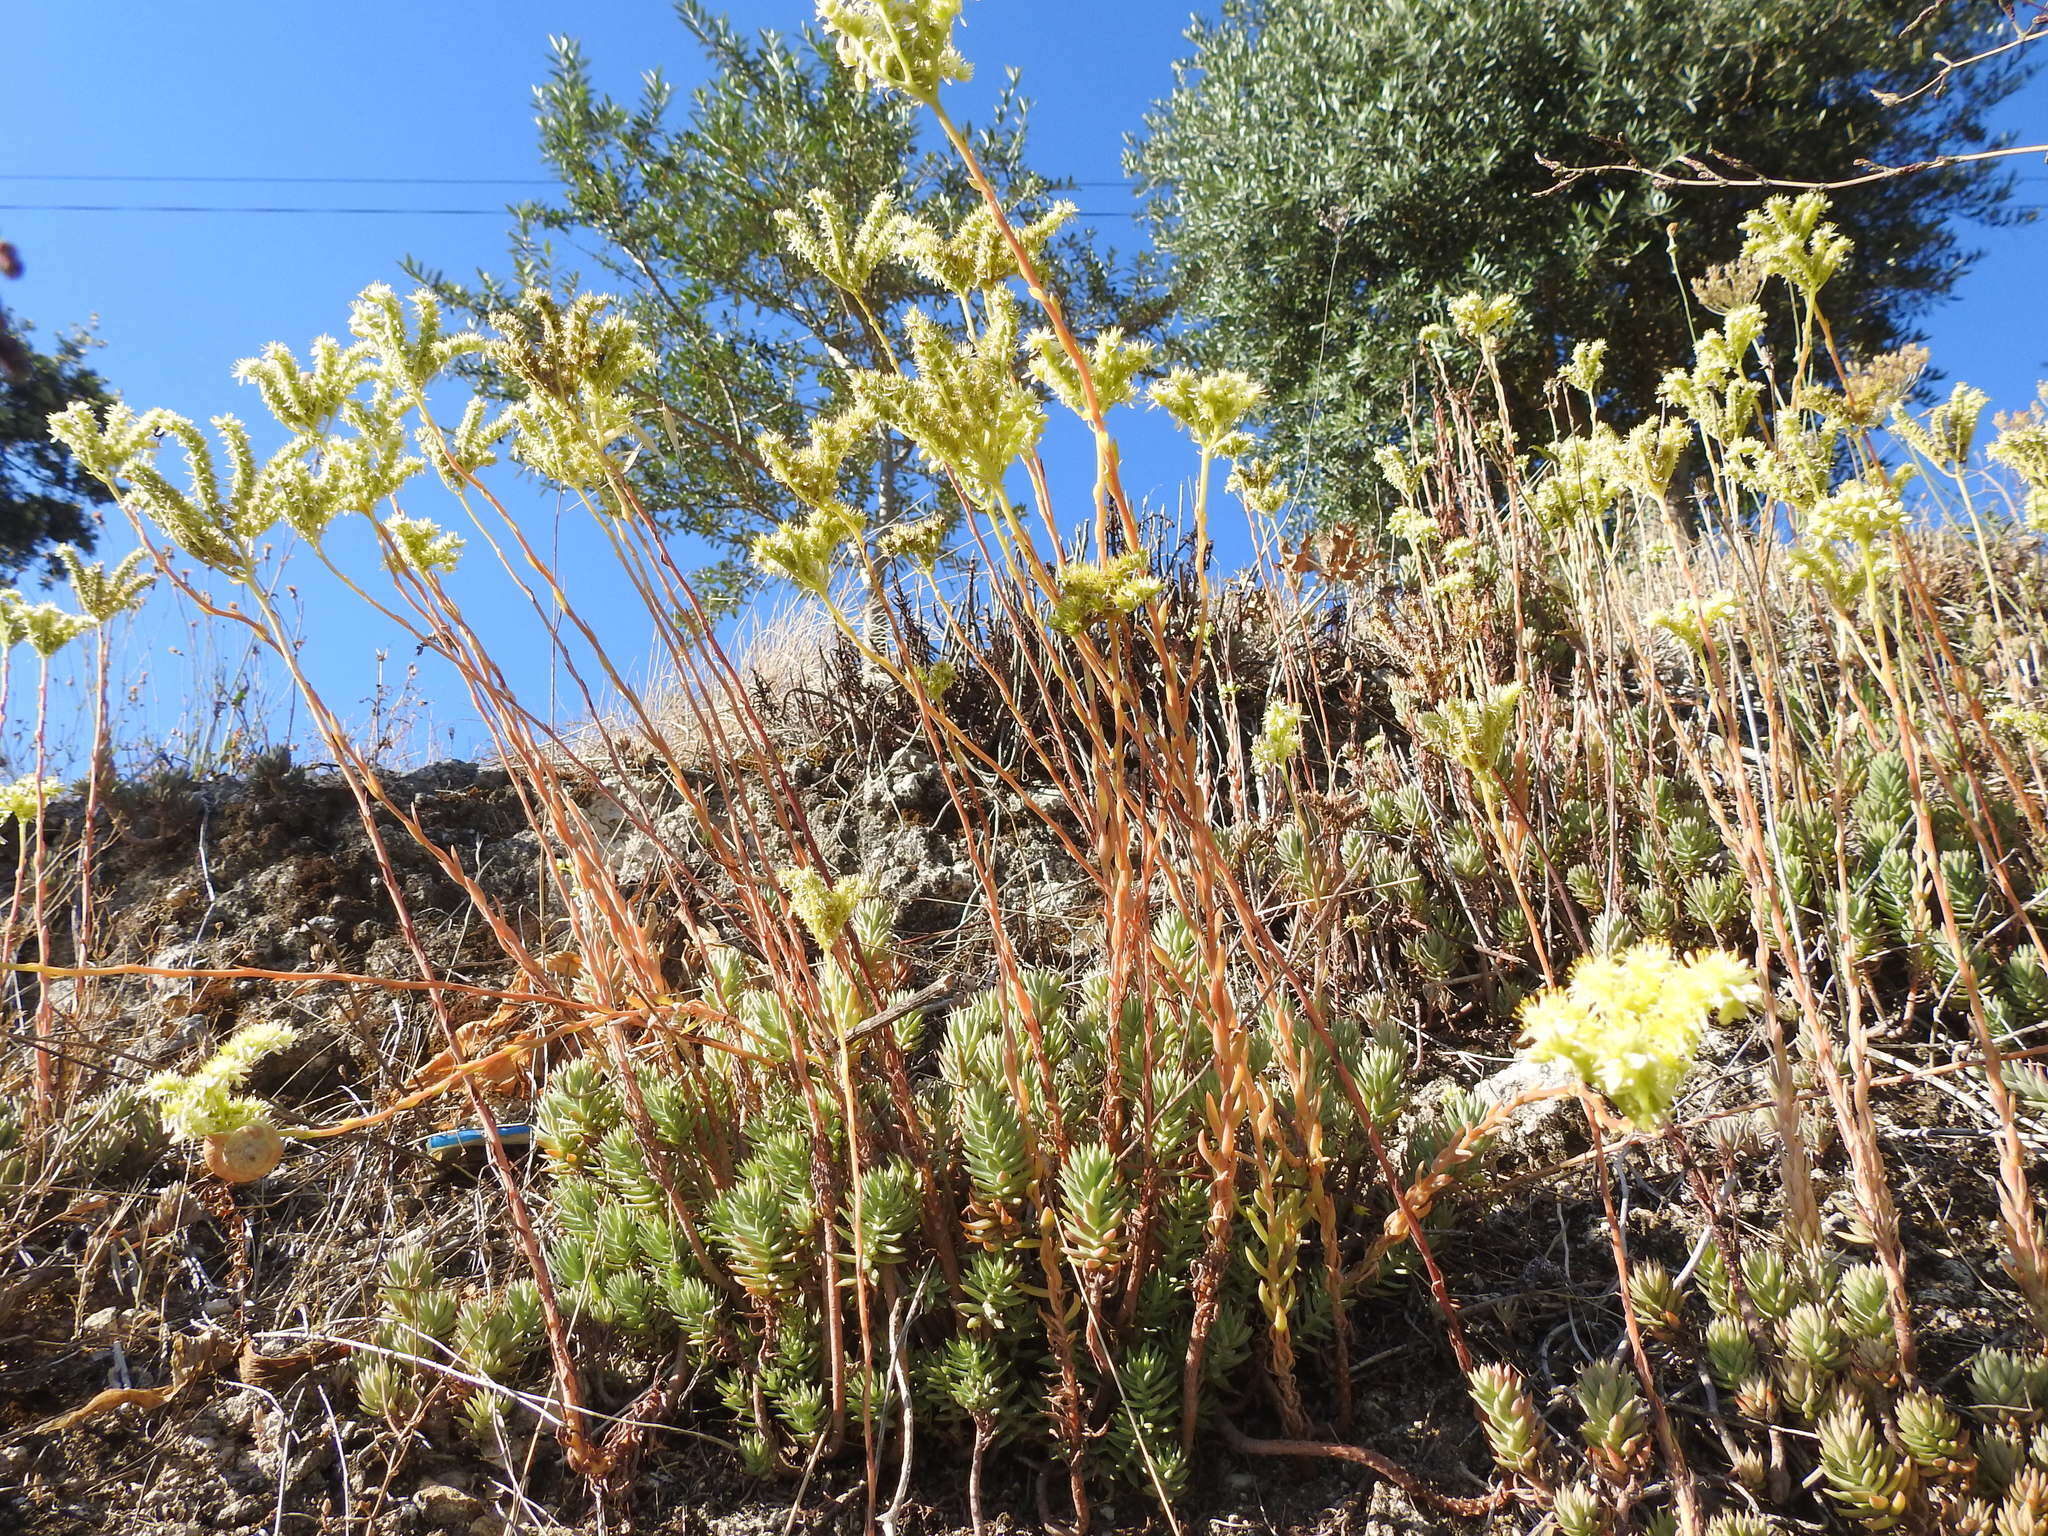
(447, 1506)
(244, 1510)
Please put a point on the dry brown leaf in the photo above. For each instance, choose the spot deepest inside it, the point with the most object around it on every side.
(501, 1071)
(260, 1370)
(192, 1357)
(150, 1398)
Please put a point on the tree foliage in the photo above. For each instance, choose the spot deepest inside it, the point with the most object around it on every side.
(676, 199)
(45, 497)
(1328, 172)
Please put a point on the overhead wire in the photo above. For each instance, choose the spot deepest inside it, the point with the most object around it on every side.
(244, 179)
(263, 208)
(351, 181)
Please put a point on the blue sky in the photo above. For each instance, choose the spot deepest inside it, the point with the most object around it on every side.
(379, 88)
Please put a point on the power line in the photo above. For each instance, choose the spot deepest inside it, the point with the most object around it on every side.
(342, 181)
(305, 181)
(496, 213)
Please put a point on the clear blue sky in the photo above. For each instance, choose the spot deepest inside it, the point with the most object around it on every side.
(379, 88)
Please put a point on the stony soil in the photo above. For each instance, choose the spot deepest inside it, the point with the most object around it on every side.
(109, 1282)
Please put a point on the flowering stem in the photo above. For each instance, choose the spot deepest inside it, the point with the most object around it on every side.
(1683, 1487)
(1109, 491)
(45, 1068)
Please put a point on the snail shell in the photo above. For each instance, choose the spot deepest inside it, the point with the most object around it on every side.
(244, 1154)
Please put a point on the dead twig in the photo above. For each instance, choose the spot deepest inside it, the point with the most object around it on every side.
(1748, 177)
(1392, 1471)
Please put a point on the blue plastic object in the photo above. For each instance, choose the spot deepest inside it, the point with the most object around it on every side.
(445, 1146)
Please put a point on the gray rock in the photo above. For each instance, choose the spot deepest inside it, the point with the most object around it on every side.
(1535, 1131)
(445, 1507)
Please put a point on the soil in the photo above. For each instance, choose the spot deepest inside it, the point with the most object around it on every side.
(119, 1281)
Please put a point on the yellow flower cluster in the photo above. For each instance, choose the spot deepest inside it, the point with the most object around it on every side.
(21, 800)
(1472, 732)
(1629, 1024)
(1403, 471)
(1797, 467)
(1858, 512)
(578, 362)
(921, 542)
(422, 546)
(573, 363)
(822, 907)
(1212, 407)
(1589, 475)
(815, 471)
(1258, 484)
(801, 551)
(1788, 238)
(105, 595)
(1280, 740)
(898, 45)
(1113, 363)
(1090, 591)
(1951, 428)
(2030, 723)
(1584, 483)
(1484, 319)
(965, 407)
(976, 257)
(1648, 457)
(1715, 392)
(43, 625)
(1690, 618)
(845, 256)
(2022, 447)
(1414, 526)
(203, 1102)
(1587, 367)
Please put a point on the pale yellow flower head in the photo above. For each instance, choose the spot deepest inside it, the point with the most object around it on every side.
(21, 800)
(1415, 526)
(824, 908)
(1258, 484)
(1860, 512)
(1090, 591)
(898, 45)
(965, 407)
(1485, 318)
(1585, 482)
(105, 595)
(1404, 472)
(1587, 366)
(1691, 619)
(1951, 428)
(2022, 447)
(1212, 407)
(49, 628)
(1472, 732)
(1629, 1024)
(204, 1102)
(844, 254)
(1789, 238)
(421, 545)
(1280, 740)
(801, 551)
(1113, 364)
